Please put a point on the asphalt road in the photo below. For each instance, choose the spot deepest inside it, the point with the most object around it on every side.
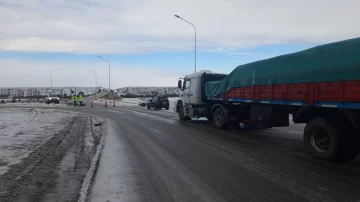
(152, 156)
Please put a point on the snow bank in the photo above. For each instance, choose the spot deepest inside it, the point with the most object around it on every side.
(148, 90)
(29, 92)
(173, 101)
(23, 130)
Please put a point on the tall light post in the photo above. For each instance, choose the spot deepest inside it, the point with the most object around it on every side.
(109, 68)
(70, 82)
(51, 78)
(95, 83)
(195, 36)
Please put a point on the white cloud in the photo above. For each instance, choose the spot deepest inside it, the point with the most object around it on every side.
(113, 26)
(37, 74)
(240, 53)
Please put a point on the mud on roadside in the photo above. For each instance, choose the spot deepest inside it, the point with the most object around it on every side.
(55, 170)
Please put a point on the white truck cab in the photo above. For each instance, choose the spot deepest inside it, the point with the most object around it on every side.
(191, 88)
(192, 102)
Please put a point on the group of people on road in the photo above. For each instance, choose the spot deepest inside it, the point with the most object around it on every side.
(77, 98)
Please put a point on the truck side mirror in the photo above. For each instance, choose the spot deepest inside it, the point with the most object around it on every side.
(180, 84)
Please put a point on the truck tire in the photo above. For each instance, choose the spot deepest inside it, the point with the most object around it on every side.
(219, 118)
(181, 113)
(329, 141)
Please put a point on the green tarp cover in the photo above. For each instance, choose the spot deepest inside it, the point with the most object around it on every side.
(338, 61)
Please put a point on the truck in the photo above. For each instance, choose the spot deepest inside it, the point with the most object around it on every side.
(319, 87)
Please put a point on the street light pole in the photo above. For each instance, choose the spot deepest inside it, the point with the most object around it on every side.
(70, 83)
(51, 79)
(95, 83)
(195, 36)
(109, 68)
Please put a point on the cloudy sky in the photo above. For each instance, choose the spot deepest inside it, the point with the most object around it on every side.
(148, 46)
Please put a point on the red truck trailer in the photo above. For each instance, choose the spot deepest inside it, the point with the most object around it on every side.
(319, 87)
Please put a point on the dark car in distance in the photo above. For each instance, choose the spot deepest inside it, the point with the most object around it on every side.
(158, 102)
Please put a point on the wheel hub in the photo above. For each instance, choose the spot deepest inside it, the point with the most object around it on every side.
(218, 118)
(320, 141)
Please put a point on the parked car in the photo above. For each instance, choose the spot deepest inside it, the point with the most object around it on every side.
(52, 99)
(158, 102)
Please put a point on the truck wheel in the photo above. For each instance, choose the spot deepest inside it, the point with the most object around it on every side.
(219, 118)
(329, 141)
(181, 113)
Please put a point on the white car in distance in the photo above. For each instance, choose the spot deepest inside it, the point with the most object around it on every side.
(52, 99)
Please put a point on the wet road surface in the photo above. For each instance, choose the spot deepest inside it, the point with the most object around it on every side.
(152, 156)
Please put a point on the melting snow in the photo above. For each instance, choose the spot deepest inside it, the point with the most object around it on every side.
(23, 130)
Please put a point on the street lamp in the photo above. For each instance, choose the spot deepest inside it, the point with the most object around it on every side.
(70, 83)
(95, 83)
(109, 68)
(51, 78)
(195, 36)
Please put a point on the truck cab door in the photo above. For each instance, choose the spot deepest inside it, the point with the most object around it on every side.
(187, 83)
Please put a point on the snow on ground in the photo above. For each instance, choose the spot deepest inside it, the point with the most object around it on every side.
(136, 101)
(34, 104)
(173, 101)
(23, 130)
(125, 102)
(133, 100)
(28, 92)
(148, 90)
